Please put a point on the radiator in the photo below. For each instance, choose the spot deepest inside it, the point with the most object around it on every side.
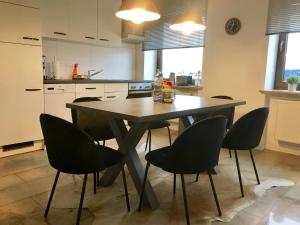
(288, 121)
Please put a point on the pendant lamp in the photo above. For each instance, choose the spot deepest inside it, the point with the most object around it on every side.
(188, 24)
(138, 11)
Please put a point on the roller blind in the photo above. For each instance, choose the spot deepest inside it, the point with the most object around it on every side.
(284, 16)
(160, 36)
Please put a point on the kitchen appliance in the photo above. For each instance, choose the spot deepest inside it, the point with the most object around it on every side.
(140, 89)
(184, 80)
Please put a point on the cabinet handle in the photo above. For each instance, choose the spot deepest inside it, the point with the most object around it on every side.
(111, 96)
(90, 88)
(31, 39)
(33, 89)
(88, 37)
(103, 39)
(60, 33)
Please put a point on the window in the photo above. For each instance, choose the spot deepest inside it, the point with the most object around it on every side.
(182, 61)
(288, 62)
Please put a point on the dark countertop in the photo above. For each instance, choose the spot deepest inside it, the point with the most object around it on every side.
(93, 81)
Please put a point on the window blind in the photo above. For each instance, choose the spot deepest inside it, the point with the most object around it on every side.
(158, 33)
(283, 16)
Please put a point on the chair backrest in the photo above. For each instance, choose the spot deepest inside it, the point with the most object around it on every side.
(227, 112)
(246, 133)
(69, 148)
(197, 148)
(96, 126)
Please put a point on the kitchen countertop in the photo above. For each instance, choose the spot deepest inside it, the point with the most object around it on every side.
(93, 81)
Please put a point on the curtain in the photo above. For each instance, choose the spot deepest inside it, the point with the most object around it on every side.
(283, 16)
(160, 36)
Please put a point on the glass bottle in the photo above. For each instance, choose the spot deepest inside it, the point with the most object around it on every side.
(158, 87)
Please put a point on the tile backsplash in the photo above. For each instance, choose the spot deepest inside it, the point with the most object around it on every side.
(116, 63)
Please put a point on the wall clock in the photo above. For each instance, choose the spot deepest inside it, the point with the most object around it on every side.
(233, 26)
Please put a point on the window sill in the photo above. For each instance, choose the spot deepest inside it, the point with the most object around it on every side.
(196, 88)
(281, 93)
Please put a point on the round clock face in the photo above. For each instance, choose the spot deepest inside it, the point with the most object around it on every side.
(232, 26)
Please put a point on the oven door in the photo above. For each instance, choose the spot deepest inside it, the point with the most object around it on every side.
(139, 94)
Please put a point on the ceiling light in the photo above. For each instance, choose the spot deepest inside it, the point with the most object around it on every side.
(188, 25)
(138, 11)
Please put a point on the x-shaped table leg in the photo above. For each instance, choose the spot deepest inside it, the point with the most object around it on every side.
(127, 141)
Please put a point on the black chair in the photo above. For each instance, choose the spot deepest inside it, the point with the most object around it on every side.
(153, 126)
(96, 127)
(195, 150)
(246, 134)
(70, 150)
(227, 112)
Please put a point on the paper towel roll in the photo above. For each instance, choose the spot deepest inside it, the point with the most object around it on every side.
(56, 70)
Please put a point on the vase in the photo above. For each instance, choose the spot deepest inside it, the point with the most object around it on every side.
(292, 87)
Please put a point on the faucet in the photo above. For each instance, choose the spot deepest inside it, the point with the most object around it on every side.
(93, 73)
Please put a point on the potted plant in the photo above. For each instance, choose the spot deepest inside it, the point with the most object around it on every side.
(293, 82)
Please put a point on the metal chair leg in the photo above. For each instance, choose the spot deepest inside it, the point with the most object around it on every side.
(239, 172)
(143, 187)
(51, 194)
(255, 170)
(185, 200)
(229, 150)
(125, 188)
(169, 133)
(103, 142)
(95, 183)
(147, 141)
(98, 179)
(174, 184)
(215, 193)
(150, 140)
(81, 199)
(197, 177)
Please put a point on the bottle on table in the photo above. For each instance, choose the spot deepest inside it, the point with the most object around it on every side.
(158, 87)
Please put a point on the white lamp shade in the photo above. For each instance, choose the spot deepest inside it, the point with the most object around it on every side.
(138, 11)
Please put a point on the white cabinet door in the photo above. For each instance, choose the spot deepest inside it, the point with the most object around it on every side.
(83, 20)
(55, 104)
(20, 24)
(90, 90)
(115, 96)
(55, 18)
(29, 3)
(56, 98)
(21, 95)
(109, 26)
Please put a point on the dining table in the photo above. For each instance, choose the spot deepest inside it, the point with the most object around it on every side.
(141, 112)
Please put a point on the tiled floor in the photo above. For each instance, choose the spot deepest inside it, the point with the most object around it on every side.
(25, 181)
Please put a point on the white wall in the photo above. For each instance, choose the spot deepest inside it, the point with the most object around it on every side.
(117, 63)
(236, 65)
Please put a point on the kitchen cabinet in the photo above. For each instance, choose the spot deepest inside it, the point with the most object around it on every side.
(115, 96)
(88, 21)
(90, 90)
(56, 96)
(29, 3)
(55, 18)
(20, 24)
(115, 91)
(21, 94)
(83, 20)
(109, 26)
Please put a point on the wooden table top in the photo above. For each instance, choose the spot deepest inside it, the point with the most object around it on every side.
(145, 110)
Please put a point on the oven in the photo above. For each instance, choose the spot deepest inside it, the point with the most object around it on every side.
(140, 90)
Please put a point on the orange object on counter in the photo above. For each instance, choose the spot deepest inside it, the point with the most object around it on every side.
(75, 71)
